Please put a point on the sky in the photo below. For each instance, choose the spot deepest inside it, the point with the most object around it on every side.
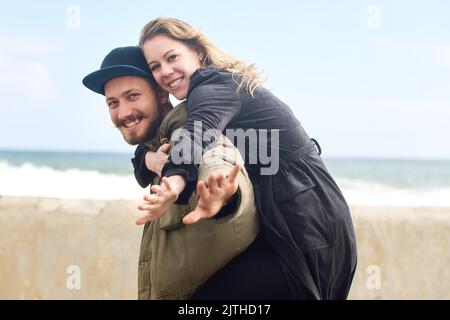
(365, 78)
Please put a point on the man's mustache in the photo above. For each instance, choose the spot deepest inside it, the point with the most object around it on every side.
(121, 122)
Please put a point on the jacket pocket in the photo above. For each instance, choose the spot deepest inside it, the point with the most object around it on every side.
(171, 221)
(144, 282)
(286, 184)
(301, 207)
(145, 258)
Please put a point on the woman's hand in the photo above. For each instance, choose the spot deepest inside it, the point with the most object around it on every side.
(155, 161)
(163, 197)
(214, 195)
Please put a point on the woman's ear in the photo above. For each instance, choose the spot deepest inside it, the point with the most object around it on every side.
(201, 56)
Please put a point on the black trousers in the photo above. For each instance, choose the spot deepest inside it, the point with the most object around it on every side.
(254, 274)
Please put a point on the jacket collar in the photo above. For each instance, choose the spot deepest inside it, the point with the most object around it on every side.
(173, 120)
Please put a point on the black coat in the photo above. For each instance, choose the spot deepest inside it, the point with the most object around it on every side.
(303, 214)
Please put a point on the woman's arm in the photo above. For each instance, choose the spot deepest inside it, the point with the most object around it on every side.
(143, 176)
(148, 164)
(212, 104)
(159, 202)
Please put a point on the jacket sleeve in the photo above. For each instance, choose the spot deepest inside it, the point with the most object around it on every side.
(212, 104)
(231, 205)
(220, 159)
(143, 176)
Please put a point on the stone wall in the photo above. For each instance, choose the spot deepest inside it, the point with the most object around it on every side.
(47, 245)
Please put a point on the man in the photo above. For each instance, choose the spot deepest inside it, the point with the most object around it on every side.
(177, 258)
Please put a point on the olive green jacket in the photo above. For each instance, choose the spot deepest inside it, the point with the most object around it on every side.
(175, 259)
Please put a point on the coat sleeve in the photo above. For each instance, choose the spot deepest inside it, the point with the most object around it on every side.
(212, 104)
(143, 176)
(231, 205)
(220, 159)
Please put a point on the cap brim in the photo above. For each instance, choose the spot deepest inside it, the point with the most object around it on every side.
(95, 81)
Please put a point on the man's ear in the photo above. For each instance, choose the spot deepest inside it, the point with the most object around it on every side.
(163, 96)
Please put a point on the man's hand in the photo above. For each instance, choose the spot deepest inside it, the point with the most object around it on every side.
(155, 161)
(214, 195)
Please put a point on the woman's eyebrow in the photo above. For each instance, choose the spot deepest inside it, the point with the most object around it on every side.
(165, 54)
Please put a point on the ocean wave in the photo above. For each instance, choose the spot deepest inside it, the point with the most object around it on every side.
(41, 181)
(360, 192)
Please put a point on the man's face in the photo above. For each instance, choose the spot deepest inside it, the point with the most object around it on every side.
(133, 107)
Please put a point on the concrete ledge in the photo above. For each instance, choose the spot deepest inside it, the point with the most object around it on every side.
(404, 253)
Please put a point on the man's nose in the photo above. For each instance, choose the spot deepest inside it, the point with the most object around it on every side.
(124, 111)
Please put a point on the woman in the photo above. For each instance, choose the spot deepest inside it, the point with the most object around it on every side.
(303, 214)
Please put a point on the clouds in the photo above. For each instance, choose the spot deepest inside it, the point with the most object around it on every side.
(428, 52)
(359, 92)
(28, 81)
(25, 77)
(442, 55)
(420, 108)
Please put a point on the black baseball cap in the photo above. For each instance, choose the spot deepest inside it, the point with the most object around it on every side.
(120, 62)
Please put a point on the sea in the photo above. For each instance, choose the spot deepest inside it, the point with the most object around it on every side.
(107, 176)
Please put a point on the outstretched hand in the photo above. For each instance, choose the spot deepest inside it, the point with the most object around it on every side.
(159, 202)
(213, 195)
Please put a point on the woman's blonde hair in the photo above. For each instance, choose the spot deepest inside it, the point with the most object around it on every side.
(210, 53)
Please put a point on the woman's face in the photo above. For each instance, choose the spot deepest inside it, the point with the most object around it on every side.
(172, 64)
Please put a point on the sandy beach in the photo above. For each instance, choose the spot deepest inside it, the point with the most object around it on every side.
(404, 252)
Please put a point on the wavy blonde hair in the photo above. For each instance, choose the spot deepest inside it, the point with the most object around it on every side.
(212, 55)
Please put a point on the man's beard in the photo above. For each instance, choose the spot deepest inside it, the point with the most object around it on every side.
(151, 132)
